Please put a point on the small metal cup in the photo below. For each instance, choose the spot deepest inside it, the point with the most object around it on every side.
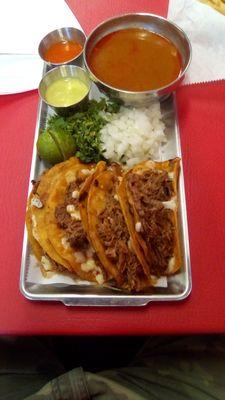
(59, 35)
(64, 71)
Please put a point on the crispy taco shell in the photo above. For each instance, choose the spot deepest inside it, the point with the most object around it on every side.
(37, 249)
(83, 195)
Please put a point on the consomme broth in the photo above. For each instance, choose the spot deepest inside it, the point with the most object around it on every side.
(135, 59)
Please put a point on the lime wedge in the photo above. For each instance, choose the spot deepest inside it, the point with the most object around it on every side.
(65, 142)
(55, 147)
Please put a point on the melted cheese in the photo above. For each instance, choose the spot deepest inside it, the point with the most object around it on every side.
(70, 176)
(36, 202)
(75, 194)
(46, 263)
(76, 215)
(171, 175)
(86, 171)
(170, 204)
(100, 278)
(171, 265)
(79, 257)
(89, 265)
(70, 208)
(138, 227)
(65, 242)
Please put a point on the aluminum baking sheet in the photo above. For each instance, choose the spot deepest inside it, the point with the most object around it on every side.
(78, 293)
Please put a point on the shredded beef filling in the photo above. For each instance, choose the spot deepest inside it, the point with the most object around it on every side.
(148, 191)
(74, 229)
(114, 235)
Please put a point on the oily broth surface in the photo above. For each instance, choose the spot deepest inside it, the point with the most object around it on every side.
(135, 59)
(63, 51)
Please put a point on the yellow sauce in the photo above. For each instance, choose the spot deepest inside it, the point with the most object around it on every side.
(66, 91)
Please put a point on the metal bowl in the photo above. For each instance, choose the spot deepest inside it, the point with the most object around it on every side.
(153, 23)
(64, 71)
(59, 35)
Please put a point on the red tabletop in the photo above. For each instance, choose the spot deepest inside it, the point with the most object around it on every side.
(201, 119)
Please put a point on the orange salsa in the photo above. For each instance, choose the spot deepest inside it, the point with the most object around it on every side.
(62, 51)
(135, 59)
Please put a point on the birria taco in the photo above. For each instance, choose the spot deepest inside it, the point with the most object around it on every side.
(64, 226)
(148, 196)
(109, 234)
(49, 258)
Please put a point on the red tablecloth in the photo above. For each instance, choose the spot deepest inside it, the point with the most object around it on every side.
(201, 118)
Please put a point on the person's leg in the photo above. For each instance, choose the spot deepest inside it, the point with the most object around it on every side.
(167, 367)
(26, 364)
(188, 367)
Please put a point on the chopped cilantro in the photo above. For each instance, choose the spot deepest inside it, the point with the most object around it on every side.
(85, 126)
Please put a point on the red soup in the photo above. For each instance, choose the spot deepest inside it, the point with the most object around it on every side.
(135, 60)
(63, 51)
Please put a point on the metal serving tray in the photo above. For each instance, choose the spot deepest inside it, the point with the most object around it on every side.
(86, 294)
